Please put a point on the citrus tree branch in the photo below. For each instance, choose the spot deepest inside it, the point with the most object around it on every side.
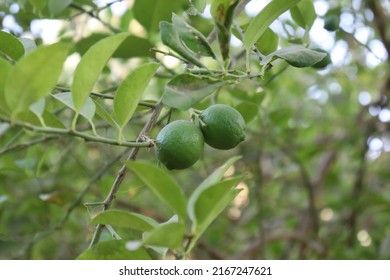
(85, 136)
(123, 171)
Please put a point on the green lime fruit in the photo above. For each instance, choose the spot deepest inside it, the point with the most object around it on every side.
(331, 22)
(179, 144)
(223, 126)
(324, 62)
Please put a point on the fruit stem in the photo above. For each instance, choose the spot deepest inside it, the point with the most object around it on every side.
(74, 121)
(197, 114)
(196, 111)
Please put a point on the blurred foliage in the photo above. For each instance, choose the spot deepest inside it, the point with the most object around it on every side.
(315, 164)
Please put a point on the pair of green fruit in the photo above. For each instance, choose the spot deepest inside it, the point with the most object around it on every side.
(180, 143)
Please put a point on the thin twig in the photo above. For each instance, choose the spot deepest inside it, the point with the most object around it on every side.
(92, 15)
(41, 235)
(312, 209)
(358, 187)
(26, 145)
(361, 44)
(256, 245)
(381, 21)
(106, 96)
(168, 54)
(95, 178)
(276, 75)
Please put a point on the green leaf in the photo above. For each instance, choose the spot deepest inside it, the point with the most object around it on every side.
(263, 20)
(38, 4)
(83, 45)
(5, 69)
(125, 19)
(34, 76)
(268, 42)
(192, 38)
(88, 110)
(89, 3)
(304, 14)
(56, 7)
(11, 46)
(296, 56)
(51, 120)
(213, 179)
(219, 9)
(125, 219)
(170, 37)
(38, 107)
(114, 250)
(184, 91)
(90, 67)
(217, 175)
(222, 12)
(28, 44)
(169, 235)
(248, 110)
(162, 185)
(149, 13)
(101, 112)
(130, 92)
(132, 46)
(199, 5)
(207, 203)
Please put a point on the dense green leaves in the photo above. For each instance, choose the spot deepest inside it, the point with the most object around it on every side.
(162, 185)
(34, 76)
(90, 67)
(260, 23)
(184, 91)
(10, 46)
(125, 219)
(130, 92)
(114, 250)
(296, 56)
